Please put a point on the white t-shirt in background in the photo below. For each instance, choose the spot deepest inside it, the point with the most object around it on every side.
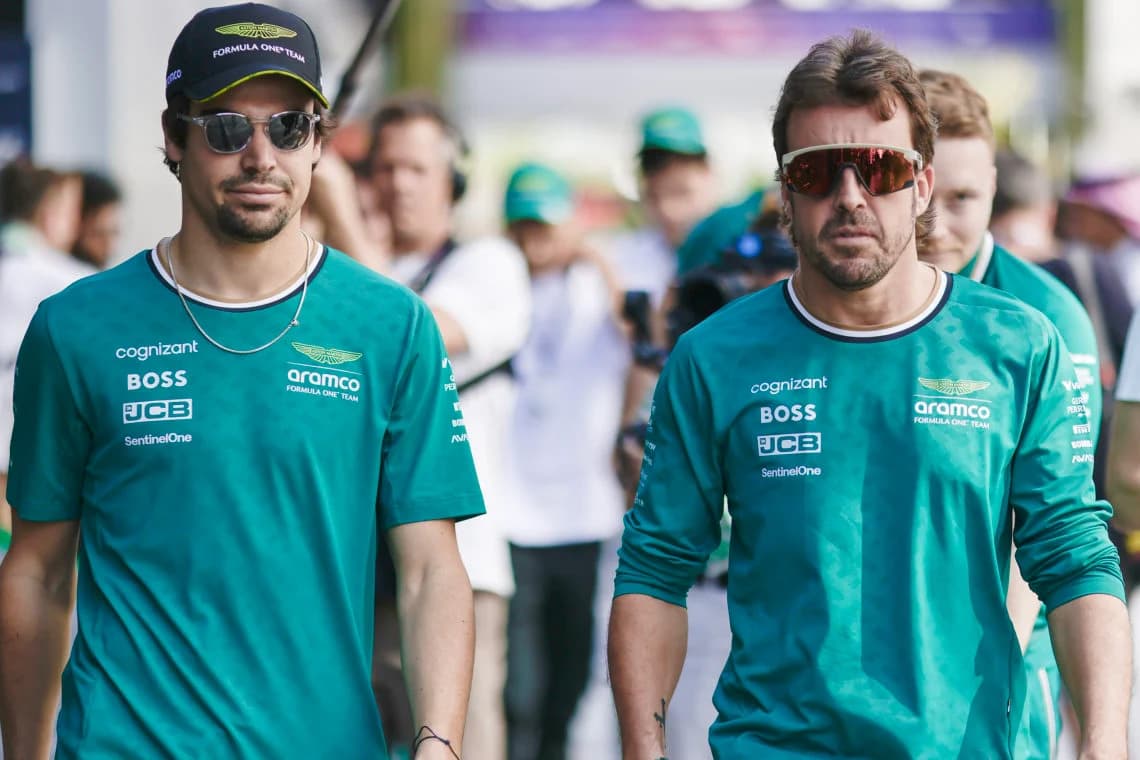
(571, 379)
(30, 271)
(644, 260)
(485, 287)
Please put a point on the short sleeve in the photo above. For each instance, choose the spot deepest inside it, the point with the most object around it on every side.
(1128, 380)
(674, 524)
(51, 440)
(426, 471)
(1061, 528)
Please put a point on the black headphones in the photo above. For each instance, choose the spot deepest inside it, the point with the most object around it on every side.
(423, 106)
(460, 161)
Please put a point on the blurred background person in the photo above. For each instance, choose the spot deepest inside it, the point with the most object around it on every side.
(1097, 226)
(1024, 210)
(959, 242)
(100, 220)
(479, 293)
(1093, 230)
(567, 501)
(39, 214)
(39, 211)
(1104, 214)
(677, 189)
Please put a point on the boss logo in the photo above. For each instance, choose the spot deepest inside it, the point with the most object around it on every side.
(149, 380)
(787, 413)
(789, 443)
(158, 411)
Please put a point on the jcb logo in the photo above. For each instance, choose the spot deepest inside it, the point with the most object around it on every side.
(789, 443)
(158, 411)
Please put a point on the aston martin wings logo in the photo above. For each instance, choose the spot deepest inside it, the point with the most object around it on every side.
(327, 355)
(953, 387)
(257, 31)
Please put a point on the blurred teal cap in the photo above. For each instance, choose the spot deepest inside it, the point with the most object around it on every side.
(676, 130)
(538, 193)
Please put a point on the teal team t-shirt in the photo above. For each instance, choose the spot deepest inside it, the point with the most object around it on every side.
(229, 505)
(875, 481)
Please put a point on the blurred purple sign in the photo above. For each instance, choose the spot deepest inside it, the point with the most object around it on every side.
(745, 27)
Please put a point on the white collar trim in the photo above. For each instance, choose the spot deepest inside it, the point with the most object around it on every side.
(886, 332)
(319, 251)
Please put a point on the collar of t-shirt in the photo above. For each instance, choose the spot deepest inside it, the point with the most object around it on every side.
(5, 540)
(979, 264)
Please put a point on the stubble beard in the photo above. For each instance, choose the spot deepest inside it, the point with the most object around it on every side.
(251, 226)
(860, 269)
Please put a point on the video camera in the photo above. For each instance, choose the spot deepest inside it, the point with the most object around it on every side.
(753, 261)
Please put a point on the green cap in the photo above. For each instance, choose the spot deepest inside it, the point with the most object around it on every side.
(673, 129)
(538, 193)
(711, 236)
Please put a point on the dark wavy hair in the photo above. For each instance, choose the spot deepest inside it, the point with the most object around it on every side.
(859, 70)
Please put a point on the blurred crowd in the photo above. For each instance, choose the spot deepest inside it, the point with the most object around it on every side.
(557, 332)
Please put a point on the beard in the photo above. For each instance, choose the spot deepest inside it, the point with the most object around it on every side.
(850, 267)
(253, 226)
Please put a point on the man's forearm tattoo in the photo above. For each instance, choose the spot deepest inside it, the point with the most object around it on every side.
(660, 718)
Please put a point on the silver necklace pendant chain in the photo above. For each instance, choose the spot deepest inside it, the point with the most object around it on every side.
(310, 245)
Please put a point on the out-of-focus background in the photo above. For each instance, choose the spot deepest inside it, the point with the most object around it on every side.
(81, 83)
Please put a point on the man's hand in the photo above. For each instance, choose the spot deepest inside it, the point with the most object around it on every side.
(334, 199)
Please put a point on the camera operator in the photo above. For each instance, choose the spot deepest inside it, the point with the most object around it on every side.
(761, 256)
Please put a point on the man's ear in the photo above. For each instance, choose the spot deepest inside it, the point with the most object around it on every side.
(172, 149)
(924, 188)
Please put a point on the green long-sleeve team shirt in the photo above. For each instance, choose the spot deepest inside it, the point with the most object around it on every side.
(875, 480)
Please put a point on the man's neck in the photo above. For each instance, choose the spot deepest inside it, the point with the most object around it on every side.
(229, 270)
(904, 292)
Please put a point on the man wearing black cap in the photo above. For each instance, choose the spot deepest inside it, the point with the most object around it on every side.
(247, 413)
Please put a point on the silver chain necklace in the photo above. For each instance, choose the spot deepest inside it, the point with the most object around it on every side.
(243, 352)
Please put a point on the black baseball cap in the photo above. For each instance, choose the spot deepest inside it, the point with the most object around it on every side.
(222, 47)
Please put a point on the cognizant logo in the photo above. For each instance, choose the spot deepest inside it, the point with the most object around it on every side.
(775, 387)
(324, 380)
(142, 353)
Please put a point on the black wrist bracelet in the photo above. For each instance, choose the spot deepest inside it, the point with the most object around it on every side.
(421, 737)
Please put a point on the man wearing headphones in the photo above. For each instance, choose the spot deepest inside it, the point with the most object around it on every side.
(479, 293)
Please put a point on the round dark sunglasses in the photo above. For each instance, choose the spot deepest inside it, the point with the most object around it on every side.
(232, 132)
(881, 169)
